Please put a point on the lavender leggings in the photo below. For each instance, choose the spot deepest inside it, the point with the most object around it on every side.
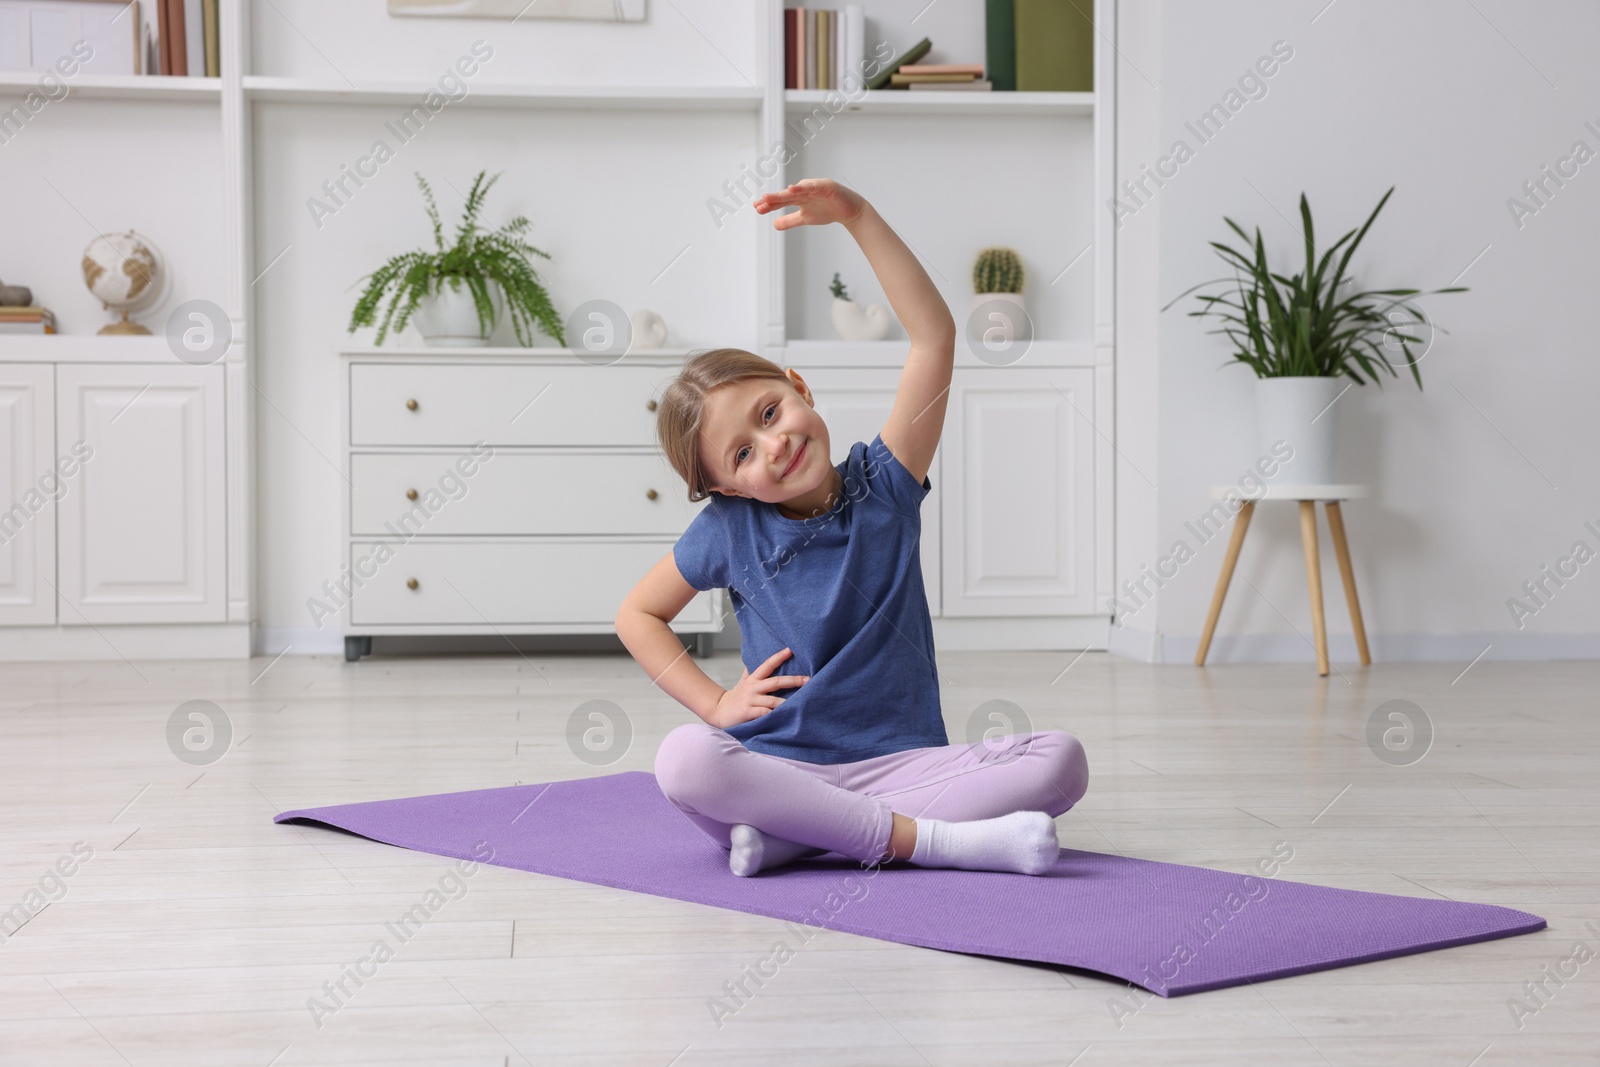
(847, 807)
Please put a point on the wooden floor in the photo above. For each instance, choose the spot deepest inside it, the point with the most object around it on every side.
(198, 930)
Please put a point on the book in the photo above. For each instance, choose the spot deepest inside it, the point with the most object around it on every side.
(164, 36)
(213, 40)
(195, 53)
(34, 320)
(789, 35)
(974, 69)
(810, 77)
(899, 78)
(983, 86)
(178, 46)
(840, 39)
(855, 48)
(836, 48)
(1054, 47)
(824, 42)
(1000, 47)
(910, 55)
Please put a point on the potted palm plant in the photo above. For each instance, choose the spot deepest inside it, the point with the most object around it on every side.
(1302, 335)
(457, 294)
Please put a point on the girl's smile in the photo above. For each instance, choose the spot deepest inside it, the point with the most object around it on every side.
(794, 464)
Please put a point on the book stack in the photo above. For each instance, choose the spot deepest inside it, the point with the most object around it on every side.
(27, 320)
(940, 76)
(187, 43)
(824, 48)
(1040, 45)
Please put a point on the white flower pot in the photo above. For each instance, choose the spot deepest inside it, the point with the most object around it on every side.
(995, 327)
(852, 322)
(1299, 411)
(449, 318)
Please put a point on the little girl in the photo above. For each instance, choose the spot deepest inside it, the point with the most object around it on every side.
(847, 751)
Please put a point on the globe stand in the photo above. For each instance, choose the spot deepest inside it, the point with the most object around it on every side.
(125, 327)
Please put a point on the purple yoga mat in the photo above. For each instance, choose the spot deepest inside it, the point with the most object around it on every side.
(1170, 928)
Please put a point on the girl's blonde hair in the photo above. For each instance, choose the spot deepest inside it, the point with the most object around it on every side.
(682, 406)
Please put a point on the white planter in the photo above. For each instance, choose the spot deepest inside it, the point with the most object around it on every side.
(1298, 411)
(996, 325)
(852, 322)
(450, 318)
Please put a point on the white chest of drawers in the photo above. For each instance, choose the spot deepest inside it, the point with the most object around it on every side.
(503, 491)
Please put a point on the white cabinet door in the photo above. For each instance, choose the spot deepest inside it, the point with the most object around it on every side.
(143, 538)
(29, 486)
(1019, 516)
(855, 404)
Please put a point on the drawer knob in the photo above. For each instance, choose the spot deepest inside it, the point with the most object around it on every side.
(411, 405)
(650, 494)
(650, 405)
(411, 583)
(411, 494)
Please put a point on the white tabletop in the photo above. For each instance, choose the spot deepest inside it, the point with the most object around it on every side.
(1293, 492)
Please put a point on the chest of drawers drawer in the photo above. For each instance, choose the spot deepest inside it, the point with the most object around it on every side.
(551, 582)
(503, 404)
(562, 492)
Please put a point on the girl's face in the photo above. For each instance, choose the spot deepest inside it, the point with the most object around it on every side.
(762, 438)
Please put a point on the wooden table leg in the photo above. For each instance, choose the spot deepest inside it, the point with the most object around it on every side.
(1341, 549)
(1308, 537)
(1241, 523)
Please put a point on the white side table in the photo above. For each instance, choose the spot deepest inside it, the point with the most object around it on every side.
(1307, 495)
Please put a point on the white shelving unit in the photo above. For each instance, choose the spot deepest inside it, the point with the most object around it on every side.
(1024, 169)
(957, 102)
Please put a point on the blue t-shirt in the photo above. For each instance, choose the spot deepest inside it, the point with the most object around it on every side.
(843, 590)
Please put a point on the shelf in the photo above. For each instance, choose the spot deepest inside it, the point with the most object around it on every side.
(893, 354)
(85, 348)
(951, 102)
(118, 86)
(415, 353)
(587, 98)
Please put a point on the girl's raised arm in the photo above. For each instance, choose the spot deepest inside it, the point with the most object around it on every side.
(917, 419)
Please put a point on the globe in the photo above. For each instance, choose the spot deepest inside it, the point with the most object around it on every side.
(125, 272)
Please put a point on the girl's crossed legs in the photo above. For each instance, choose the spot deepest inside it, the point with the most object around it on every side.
(849, 808)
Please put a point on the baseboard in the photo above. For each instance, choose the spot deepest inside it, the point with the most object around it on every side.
(1385, 648)
(299, 641)
(952, 634)
(1141, 645)
(1022, 634)
(142, 641)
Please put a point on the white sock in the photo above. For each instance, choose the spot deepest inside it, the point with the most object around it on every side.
(755, 851)
(1023, 842)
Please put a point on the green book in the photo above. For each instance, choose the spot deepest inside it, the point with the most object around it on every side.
(1000, 49)
(911, 55)
(1055, 45)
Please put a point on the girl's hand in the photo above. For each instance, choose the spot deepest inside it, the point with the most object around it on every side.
(751, 697)
(820, 200)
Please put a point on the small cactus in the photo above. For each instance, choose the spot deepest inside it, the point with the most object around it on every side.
(998, 270)
(837, 288)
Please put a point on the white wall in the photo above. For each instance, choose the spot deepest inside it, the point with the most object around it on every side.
(1486, 475)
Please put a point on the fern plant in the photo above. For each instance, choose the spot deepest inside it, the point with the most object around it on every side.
(475, 259)
(1302, 326)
